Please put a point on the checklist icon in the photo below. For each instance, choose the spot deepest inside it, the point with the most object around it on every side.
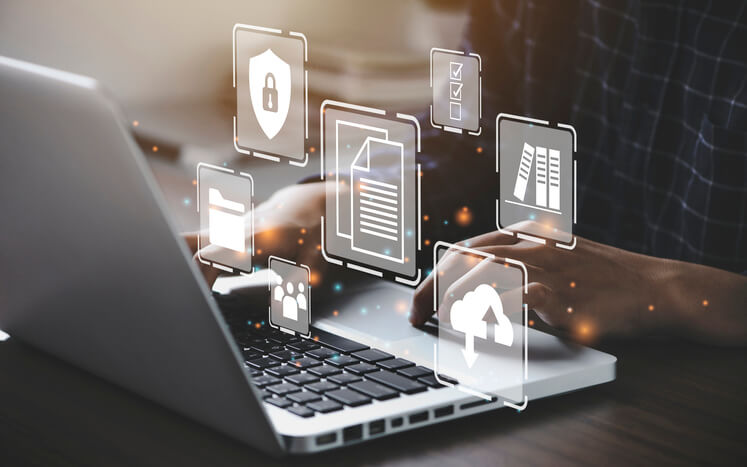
(456, 84)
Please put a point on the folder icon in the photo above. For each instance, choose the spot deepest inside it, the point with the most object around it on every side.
(226, 222)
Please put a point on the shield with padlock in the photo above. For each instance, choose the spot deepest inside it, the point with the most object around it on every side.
(270, 91)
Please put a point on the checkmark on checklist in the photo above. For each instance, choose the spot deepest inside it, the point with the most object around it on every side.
(455, 70)
(456, 91)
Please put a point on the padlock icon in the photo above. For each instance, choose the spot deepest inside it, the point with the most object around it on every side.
(270, 94)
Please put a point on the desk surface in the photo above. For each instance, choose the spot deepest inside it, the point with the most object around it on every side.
(672, 403)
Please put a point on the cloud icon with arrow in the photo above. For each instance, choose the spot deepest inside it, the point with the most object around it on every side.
(466, 316)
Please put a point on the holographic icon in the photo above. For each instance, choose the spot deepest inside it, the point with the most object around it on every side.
(270, 91)
(468, 317)
(290, 296)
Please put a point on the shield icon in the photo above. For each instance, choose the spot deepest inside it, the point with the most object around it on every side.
(270, 78)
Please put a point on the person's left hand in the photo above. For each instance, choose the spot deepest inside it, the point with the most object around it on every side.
(590, 291)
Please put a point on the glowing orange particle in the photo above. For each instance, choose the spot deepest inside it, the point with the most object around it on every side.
(135, 123)
(318, 247)
(573, 285)
(259, 251)
(316, 338)
(194, 182)
(335, 312)
(494, 285)
(155, 148)
(256, 325)
(569, 310)
(427, 242)
(531, 322)
(300, 241)
(705, 302)
(312, 149)
(407, 259)
(650, 308)
(426, 218)
(463, 217)
(303, 231)
(479, 149)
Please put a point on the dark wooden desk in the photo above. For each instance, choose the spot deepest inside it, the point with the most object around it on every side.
(672, 403)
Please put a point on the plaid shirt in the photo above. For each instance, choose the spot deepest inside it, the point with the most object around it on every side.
(657, 94)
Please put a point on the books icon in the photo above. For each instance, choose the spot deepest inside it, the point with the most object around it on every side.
(226, 222)
(547, 177)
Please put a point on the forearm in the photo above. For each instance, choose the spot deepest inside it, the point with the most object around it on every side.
(703, 303)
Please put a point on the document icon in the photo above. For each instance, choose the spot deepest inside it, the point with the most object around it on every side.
(377, 205)
(226, 222)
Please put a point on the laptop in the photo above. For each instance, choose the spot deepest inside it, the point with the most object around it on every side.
(94, 273)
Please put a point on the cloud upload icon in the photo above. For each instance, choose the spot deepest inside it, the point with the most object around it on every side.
(466, 316)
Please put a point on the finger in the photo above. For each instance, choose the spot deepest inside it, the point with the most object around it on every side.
(541, 257)
(490, 238)
(453, 263)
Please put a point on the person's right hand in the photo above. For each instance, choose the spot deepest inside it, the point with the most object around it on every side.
(287, 225)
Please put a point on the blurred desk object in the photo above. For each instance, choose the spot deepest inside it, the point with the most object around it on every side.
(673, 403)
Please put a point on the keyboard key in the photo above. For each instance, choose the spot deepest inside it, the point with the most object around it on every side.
(395, 381)
(322, 353)
(324, 370)
(267, 347)
(280, 338)
(348, 397)
(301, 411)
(361, 368)
(322, 386)
(375, 390)
(395, 364)
(415, 372)
(251, 354)
(262, 363)
(372, 355)
(285, 355)
(302, 378)
(255, 373)
(264, 380)
(342, 360)
(283, 389)
(305, 362)
(304, 397)
(282, 371)
(430, 380)
(345, 378)
(281, 402)
(338, 343)
(303, 346)
(264, 394)
(324, 406)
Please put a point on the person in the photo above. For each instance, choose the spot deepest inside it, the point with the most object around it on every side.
(657, 95)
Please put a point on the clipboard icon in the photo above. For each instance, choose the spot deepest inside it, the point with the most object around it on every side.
(226, 222)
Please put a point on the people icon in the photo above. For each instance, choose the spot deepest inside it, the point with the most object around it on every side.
(290, 304)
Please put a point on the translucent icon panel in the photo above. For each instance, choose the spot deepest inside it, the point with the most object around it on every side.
(372, 201)
(271, 94)
(456, 86)
(226, 209)
(290, 296)
(482, 322)
(537, 178)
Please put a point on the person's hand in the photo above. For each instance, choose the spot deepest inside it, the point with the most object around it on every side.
(597, 290)
(286, 225)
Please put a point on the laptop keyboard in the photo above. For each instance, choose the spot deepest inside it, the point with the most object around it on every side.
(327, 373)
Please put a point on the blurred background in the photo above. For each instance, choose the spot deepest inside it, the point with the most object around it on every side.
(168, 64)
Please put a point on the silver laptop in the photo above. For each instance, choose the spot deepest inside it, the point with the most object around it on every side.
(94, 273)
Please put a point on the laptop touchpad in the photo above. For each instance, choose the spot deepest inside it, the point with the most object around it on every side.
(376, 312)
